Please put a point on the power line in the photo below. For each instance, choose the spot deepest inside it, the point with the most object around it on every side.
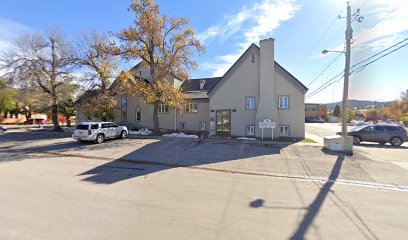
(365, 65)
(359, 69)
(320, 39)
(384, 50)
(324, 70)
(326, 84)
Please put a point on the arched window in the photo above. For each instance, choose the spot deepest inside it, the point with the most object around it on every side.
(123, 108)
(138, 113)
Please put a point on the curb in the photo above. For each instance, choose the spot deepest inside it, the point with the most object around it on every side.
(215, 140)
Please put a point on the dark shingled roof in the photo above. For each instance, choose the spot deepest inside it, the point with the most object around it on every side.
(194, 84)
(87, 94)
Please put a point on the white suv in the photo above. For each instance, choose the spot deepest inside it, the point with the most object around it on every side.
(98, 131)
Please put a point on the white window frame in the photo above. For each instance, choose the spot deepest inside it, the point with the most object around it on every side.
(205, 126)
(282, 103)
(248, 101)
(163, 108)
(286, 131)
(252, 132)
(183, 126)
(191, 108)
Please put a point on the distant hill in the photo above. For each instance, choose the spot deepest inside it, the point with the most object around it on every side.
(360, 104)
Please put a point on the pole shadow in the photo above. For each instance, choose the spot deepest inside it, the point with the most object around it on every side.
(317, 203)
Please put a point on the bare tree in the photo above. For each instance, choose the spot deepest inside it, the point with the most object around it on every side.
(46, 60)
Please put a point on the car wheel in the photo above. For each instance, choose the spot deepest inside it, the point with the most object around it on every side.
(356, 140)
(396, 141)
(100, 138)
(123, 134)
(382, 143)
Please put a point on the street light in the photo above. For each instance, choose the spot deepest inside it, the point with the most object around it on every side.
(325, 51)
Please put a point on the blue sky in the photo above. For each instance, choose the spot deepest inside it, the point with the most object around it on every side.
(301, 28)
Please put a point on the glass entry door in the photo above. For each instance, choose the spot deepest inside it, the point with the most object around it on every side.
(223, 122)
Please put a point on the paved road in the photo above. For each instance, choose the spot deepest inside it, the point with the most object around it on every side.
(47, 197)
(387, 153)
(55, 188)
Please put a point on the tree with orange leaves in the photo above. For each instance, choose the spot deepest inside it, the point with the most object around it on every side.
(166, 47)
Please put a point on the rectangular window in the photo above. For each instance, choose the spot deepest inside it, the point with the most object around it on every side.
(284, 131)
(82, 127)
(191, 107)
(249, 102)
(250, 130)
(182, 125)
(163, 108)
(203, 126)
(253, 57)
(284, 102)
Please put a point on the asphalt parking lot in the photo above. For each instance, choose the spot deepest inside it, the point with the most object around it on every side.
(56, 188)
(374, 151)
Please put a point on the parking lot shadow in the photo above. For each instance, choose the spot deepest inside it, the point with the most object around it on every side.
(32, 136)
(167, 154)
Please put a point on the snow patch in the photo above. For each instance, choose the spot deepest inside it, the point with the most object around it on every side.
(142, 131)
(180, 135)
(247, 138)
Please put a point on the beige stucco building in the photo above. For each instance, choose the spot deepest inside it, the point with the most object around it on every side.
(255, 88)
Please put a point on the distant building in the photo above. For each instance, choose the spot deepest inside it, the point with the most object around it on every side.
(315, 110)
(36, 118)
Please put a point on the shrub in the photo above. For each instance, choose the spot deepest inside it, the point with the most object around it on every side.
(404, 120)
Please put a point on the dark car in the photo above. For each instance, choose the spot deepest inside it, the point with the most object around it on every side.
(314, 120)
(3, 129)
(382, 134)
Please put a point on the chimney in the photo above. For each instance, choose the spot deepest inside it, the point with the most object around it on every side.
(202, 82)
(267, 106)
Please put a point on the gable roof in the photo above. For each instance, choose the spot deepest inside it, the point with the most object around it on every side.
(194, 84)
(87, 94)
(292, 78)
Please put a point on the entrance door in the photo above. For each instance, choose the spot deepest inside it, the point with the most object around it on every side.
(223, 122)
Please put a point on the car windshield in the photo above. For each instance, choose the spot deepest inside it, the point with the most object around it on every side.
(81, 127)
(357, 128)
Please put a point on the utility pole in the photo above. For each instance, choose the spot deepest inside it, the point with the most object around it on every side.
(349, 35)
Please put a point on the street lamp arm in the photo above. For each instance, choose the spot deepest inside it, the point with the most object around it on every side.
(325, 51)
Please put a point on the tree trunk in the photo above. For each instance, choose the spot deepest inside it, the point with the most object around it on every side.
(68, 119)
(54, 114)
(156, 127)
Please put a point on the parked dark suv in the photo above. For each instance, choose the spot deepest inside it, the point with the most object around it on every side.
(382, 134)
